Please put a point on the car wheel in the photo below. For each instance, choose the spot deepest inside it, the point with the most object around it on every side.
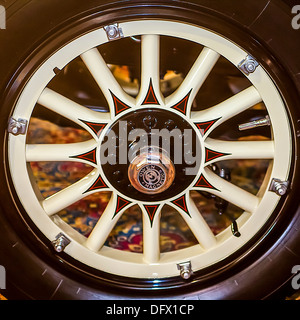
(91, 90)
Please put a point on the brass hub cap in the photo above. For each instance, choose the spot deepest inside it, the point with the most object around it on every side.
(151, 171)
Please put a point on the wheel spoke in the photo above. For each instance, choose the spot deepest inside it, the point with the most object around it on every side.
(70, 109)
(230, 192)
(105, 225)
(69, 195)
(149, 92)
(151, 235)
(195, 78)
(59, 152)
(229, 108)
(241, 149)
(105, 79)
(196, 223)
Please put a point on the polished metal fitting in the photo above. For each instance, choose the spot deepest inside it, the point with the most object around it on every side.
(185, 269)
(151, 171)
(60, 242)
(279, 187)
(248, 65)
(113, 32)
(17, 127)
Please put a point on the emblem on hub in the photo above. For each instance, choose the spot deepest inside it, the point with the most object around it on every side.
(151, 171)
(152, 177)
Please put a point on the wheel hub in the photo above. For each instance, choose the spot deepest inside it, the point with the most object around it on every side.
(151, 171)
(155, 171)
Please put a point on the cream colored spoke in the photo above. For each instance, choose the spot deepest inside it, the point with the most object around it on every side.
(105, 79)
(241, 149)
(70, 109)
(195, 78)
(230, 192)
(151, 235)
(229, 108)
(58, 152)
(196, 223)
(105, 225)
(150, 70)
(69, 195)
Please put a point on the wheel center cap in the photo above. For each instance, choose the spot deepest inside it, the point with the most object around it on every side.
(151, 171)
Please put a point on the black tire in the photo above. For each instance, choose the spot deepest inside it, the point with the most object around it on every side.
(263, 266)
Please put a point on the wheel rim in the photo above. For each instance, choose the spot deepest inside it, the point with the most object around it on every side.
(152, 263)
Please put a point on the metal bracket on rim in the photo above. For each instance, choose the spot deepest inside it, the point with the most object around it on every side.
(60, 242)
(113, 32)
(185, 269)
(248, 65)
(279, 187)
(17, 127)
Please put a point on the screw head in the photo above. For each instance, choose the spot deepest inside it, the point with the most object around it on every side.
(15, 130)
(185, 274)
(58, 248)
(250, 67)
(281, 190)
(111, 31)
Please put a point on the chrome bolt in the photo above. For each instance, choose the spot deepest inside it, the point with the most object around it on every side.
(17, 127)
(113, 31)
(185, 270)
(279, 187)
(248, 65)
(60, 242)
